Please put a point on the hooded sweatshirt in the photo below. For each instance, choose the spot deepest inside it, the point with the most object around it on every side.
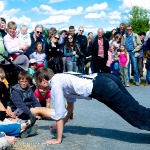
(23, 99)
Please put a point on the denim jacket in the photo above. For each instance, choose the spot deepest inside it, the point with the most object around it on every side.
(136, 41)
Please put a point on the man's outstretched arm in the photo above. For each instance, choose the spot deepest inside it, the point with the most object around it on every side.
(60, 124)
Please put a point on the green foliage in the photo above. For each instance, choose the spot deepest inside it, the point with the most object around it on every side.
(46, 33)
(107, 34)
(138, 18)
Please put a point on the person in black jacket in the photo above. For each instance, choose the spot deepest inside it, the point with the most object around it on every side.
(53, 54)
(81, 40)
(22, 97)
(98, 48)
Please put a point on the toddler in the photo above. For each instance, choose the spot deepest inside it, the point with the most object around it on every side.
(43, 96)
(31, 71)
(114, 67)
(111, 52)
(24, 38)
(38, 55)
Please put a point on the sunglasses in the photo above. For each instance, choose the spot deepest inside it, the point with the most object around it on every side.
(118, 38)
(81, 30)
(38, 32)
(129, 29)
(56, 38)
(70, 38)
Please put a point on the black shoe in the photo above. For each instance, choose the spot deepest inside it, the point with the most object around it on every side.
(33, 120)
(29, 131)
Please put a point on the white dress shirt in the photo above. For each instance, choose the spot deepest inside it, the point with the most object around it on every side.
(69, 87)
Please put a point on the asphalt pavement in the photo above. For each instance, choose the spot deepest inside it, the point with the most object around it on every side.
(94, 127)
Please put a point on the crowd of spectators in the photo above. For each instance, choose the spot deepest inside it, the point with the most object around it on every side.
(61, 52)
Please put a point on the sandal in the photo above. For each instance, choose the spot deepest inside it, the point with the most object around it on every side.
(32, 120)
(29, 131)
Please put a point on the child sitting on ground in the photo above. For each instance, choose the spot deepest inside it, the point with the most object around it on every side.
(22, 97)
(38, 55)
(43, 96)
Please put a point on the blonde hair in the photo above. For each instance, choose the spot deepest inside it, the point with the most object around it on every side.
(2, 73)
(125, 51)
(24, 26)
(117, 35)
(11, 24)
(52, 43)
(112, 45)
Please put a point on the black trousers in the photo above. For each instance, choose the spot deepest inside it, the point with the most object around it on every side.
(2, 115)
(109, 90)
(99, 65)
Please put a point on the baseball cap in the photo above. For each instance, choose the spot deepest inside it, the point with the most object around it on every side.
(32, 61)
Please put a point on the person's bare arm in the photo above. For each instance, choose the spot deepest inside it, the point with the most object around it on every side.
(59, 126)
(70, 107)
(48, 103)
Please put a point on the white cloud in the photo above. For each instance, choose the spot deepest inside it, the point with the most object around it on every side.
(9, 13)
(56, 1)
(89, 26)
(114, 22)
(129, 3)
(94, 29)
(20, 21)
(45, 9)
(115, 15)
(2, 6)
(109, 28)
(97, 7)
(96, 15)
(55, 20)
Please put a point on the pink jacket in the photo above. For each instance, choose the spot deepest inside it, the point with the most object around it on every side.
(109, 61)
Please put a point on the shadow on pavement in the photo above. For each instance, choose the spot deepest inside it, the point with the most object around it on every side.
(125, 136)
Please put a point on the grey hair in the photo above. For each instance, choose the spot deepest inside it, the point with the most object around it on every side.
(39, 26)
(81, 27)
(100, 29)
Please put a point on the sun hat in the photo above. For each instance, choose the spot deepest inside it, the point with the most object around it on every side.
(32, 61)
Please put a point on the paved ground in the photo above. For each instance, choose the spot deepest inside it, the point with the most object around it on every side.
(95, 127)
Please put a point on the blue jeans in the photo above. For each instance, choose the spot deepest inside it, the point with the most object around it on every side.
(133, 60)
(71, 66)
(109, 90)
(147, 76)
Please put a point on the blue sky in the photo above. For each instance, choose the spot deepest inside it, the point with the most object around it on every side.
(91, 14)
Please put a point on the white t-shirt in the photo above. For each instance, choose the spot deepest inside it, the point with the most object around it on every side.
(69, 87)
(24, 39)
